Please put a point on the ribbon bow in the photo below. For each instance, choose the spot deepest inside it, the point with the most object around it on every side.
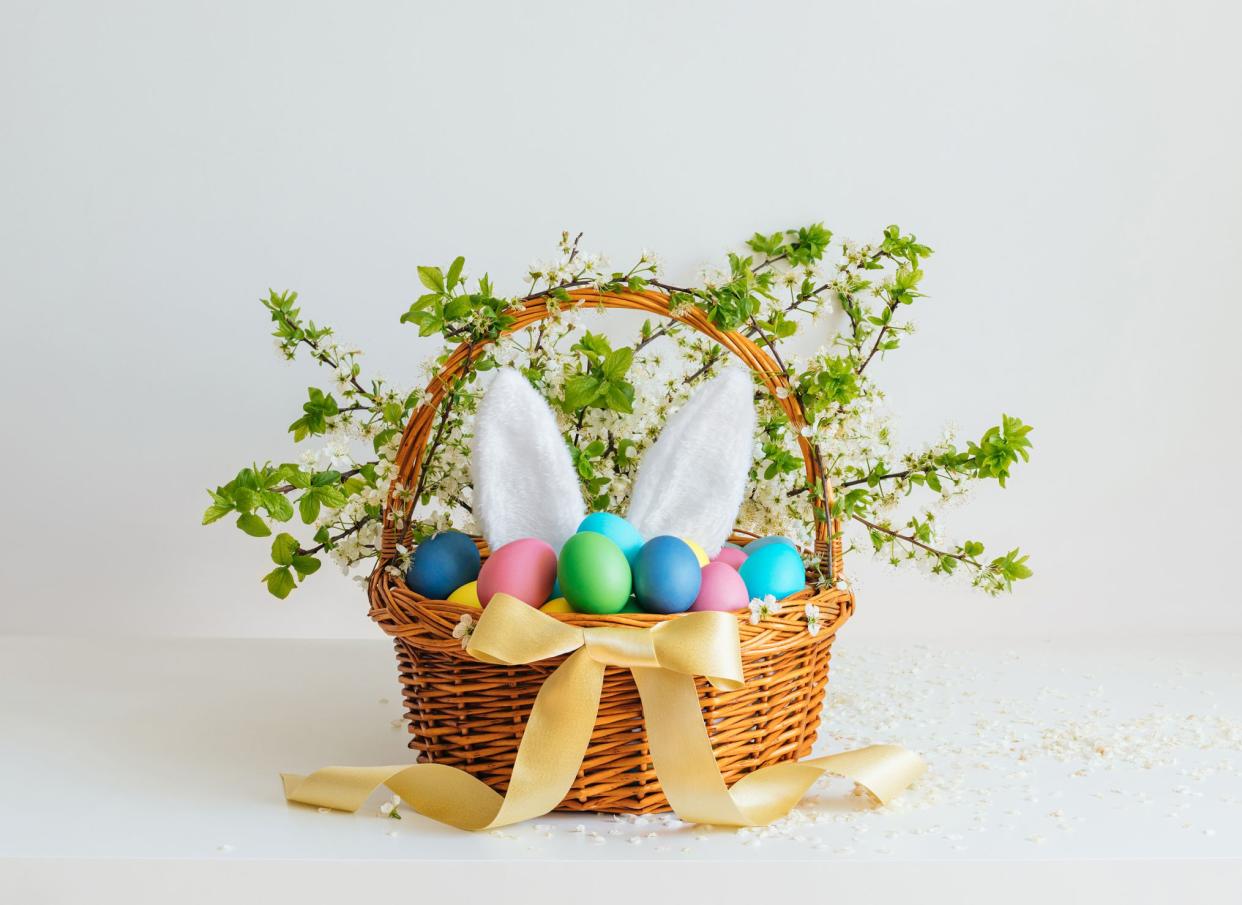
(664, 660)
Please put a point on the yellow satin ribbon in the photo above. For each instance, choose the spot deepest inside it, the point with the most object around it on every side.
(664, 660)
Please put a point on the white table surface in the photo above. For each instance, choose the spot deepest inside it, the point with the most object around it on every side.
(1068, 767)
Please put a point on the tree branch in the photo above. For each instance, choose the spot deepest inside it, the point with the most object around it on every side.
(352, 529)
(914, 541)
(289, 488)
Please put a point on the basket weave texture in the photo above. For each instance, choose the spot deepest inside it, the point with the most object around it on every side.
(470, 715)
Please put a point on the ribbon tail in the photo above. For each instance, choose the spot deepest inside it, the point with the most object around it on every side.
(682, 755)
(548, 758)
(680, 750)
(882, 771)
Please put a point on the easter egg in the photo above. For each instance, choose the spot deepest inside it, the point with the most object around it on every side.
(721, 589)
(776, 569)
(466, 595)
(667, 575)
(524, 569)
(731, 556)
(759, 543)
(631, 606)
(617, 530)
(699, 552)
(441, 564)
(594, 574)
(557, 605)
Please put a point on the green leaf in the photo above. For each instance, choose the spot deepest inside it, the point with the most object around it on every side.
(306, 565)
(308, 506)
(283, 549)
(253, 525)
(454, 272)
(432, 278)
(277, 506)
(216, 511)
(580, 391)
(617, 363)
(244, 499)
(280, 582)
(332, 497)
(620, 398)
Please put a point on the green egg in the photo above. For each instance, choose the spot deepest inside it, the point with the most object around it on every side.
(594, 574)
(631, 606)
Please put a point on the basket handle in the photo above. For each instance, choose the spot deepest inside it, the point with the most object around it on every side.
(418, 431)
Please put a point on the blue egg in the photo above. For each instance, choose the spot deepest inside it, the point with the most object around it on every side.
(617, 530)
(442, 564)
(759, 543)
(667, 575)
(556, 590)
(776, 569)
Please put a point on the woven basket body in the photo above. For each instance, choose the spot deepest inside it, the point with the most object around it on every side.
(470, 715)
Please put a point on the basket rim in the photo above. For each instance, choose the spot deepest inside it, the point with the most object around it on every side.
(428, 623)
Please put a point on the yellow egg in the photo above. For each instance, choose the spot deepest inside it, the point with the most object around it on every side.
(557, 605)
(698, 551)
(466, 595)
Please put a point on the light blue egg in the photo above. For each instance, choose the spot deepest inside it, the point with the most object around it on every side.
(776, 569)
(617, 530)
(759, 543)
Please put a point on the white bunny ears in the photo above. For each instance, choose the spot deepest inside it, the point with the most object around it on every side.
(524, 480)
(690, 482)
(692, 479)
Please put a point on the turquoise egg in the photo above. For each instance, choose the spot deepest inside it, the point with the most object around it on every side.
(667, 575)
(775, 569)
(617, 530)
(759, 543)
(442, 564)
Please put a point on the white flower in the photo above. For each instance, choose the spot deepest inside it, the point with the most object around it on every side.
(338, 455)
(309, 458)
(812, 619)
(464, 629)
(762, 609)
(389, 808)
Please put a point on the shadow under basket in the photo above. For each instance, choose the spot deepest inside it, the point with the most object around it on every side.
(471, 715)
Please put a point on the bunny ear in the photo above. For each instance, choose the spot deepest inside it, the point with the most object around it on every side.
(692, 480)
(524, 480)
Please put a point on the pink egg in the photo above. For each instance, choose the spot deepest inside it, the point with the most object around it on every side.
(731, 556)
(524, 569)
(721, 589)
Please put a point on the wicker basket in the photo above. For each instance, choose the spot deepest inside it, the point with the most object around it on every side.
(471, 715)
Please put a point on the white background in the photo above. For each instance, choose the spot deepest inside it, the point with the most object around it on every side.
(1075, 166)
